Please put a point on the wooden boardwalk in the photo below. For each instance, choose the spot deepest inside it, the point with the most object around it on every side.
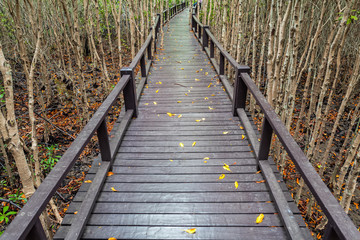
(167, 169)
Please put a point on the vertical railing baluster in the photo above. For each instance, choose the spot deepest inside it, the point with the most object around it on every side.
(37, 232)
(212, 49)
(104, 144)
(143, 66)
(330, 233)
(222, 64)
(265, 142)
(193, 21)
(149, 49)
(130, 91)
(200, 32)
(240, 89)
(205, 41)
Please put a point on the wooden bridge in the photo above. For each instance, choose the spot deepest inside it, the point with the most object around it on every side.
(184, 155)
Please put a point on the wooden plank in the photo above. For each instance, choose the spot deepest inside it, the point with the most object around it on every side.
(184, 178)
(185, 133)
(195, 197)
(186, 149)
(200, 220)
(184, 138)
(175, 143)
(184, 162)
(181, 208)
(184, 187)
(180, 155)
(138, 232)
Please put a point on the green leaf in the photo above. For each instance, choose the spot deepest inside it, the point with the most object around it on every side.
(348, 21)
(11, 213)
(5, 209)
(354, 18)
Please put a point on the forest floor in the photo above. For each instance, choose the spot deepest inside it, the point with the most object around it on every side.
(292, 176)
(63, 125)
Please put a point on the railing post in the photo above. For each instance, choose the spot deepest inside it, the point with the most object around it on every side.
(265, 142)
(205, 39)
(193, 22)
(212, 49)
(149, 52)
(222, 64)
(130, 91)
(199, 31)
(240, 89)
(37, 232)
(104, 144)
(330, 233)
(143, 66)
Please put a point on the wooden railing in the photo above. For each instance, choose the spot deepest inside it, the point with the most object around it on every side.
(172, 11)
(339, 224)
(27, 225)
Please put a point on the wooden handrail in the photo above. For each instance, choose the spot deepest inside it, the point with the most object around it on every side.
(26, 224)
(340, 226)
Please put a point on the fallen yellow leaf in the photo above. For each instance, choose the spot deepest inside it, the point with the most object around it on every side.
(181, 144)
(171, 160)
(88, 181)
(236, 184)
(178, 101)
(206, 158)
(180, 116)
(159, 83)
(110, 174)
(198, 120)
(205, 161)
(112, 188)
(112, 239)
(182, 68)
(211, 108)
(260, 218)
(222, 176)
(206, 73)
(206, 98)
(193, 144)
(191, 231)
(157, 91)
(210, 85)
(155, 103)
(171, 114)
(226, 167)
(186, 94)
(76, 212)
(225, 132)
(242, 136)
(146, 104)
(197, 79)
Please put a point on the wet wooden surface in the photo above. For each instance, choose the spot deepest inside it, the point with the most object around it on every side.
(163, 188)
